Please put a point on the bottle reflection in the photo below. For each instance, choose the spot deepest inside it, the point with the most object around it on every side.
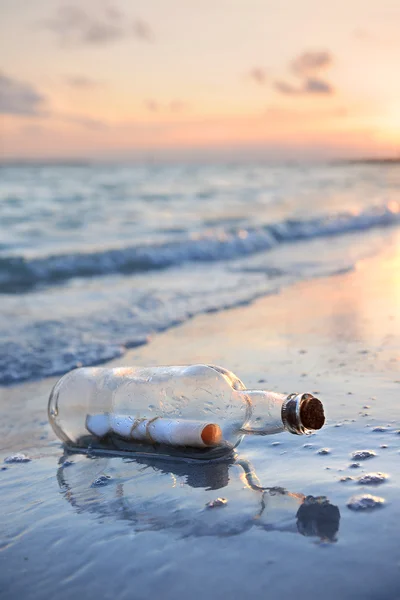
(156, 494)
(315, 517)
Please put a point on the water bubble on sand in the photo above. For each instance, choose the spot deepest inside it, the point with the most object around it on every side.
(346, 478)
(101, 481)
(366, 406)
(67, 463)
(217, 502)
(365, 502)
(17, 458)
(276, 444)
(380, 429)
(308, 445)
(363, 454)
(324, 451)
(384, 446)
(354, 465)
(373, 479)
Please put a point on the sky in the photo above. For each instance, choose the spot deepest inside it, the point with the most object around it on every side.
(199, 79)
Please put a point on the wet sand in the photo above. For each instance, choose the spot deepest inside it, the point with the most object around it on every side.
(115, 528)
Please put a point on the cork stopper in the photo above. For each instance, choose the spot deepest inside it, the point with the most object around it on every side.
(302, 413)
(312, 413)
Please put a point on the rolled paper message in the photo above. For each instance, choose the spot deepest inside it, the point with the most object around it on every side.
(173, 432)
(98, 425)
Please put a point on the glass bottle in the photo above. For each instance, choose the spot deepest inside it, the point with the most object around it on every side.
(198, 410)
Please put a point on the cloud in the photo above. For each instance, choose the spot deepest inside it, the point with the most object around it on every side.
(175, 106)
(83, 83)
(286, 88)
(310, 85)
(258, 75)
(82, 121)
(20, 98)
(142, 30)
(311, 62)
(178, 106)
(307, 67)
(362, 34)
(298, 112)
(74, 26)
(152, 105)
(313, 85)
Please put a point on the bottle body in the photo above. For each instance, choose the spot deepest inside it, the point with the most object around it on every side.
(199, 407)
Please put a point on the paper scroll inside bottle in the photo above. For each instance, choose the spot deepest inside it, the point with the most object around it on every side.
(173, 432)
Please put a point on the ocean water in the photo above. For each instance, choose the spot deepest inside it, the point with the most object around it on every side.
(95, 259)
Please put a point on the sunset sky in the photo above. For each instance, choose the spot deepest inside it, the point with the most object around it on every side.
(164, 79)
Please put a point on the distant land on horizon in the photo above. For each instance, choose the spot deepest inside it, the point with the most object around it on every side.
(373, 160)
(51, 162)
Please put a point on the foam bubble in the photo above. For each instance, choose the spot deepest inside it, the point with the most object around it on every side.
(363, 454)
(217, 503)
(17, 458)
(365, 502)
(101, 481)
(373, 479)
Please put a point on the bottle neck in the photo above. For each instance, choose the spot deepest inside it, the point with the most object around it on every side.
(264, 415)
(270, 412)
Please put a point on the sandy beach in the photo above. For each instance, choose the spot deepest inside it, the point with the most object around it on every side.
(143, 529)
